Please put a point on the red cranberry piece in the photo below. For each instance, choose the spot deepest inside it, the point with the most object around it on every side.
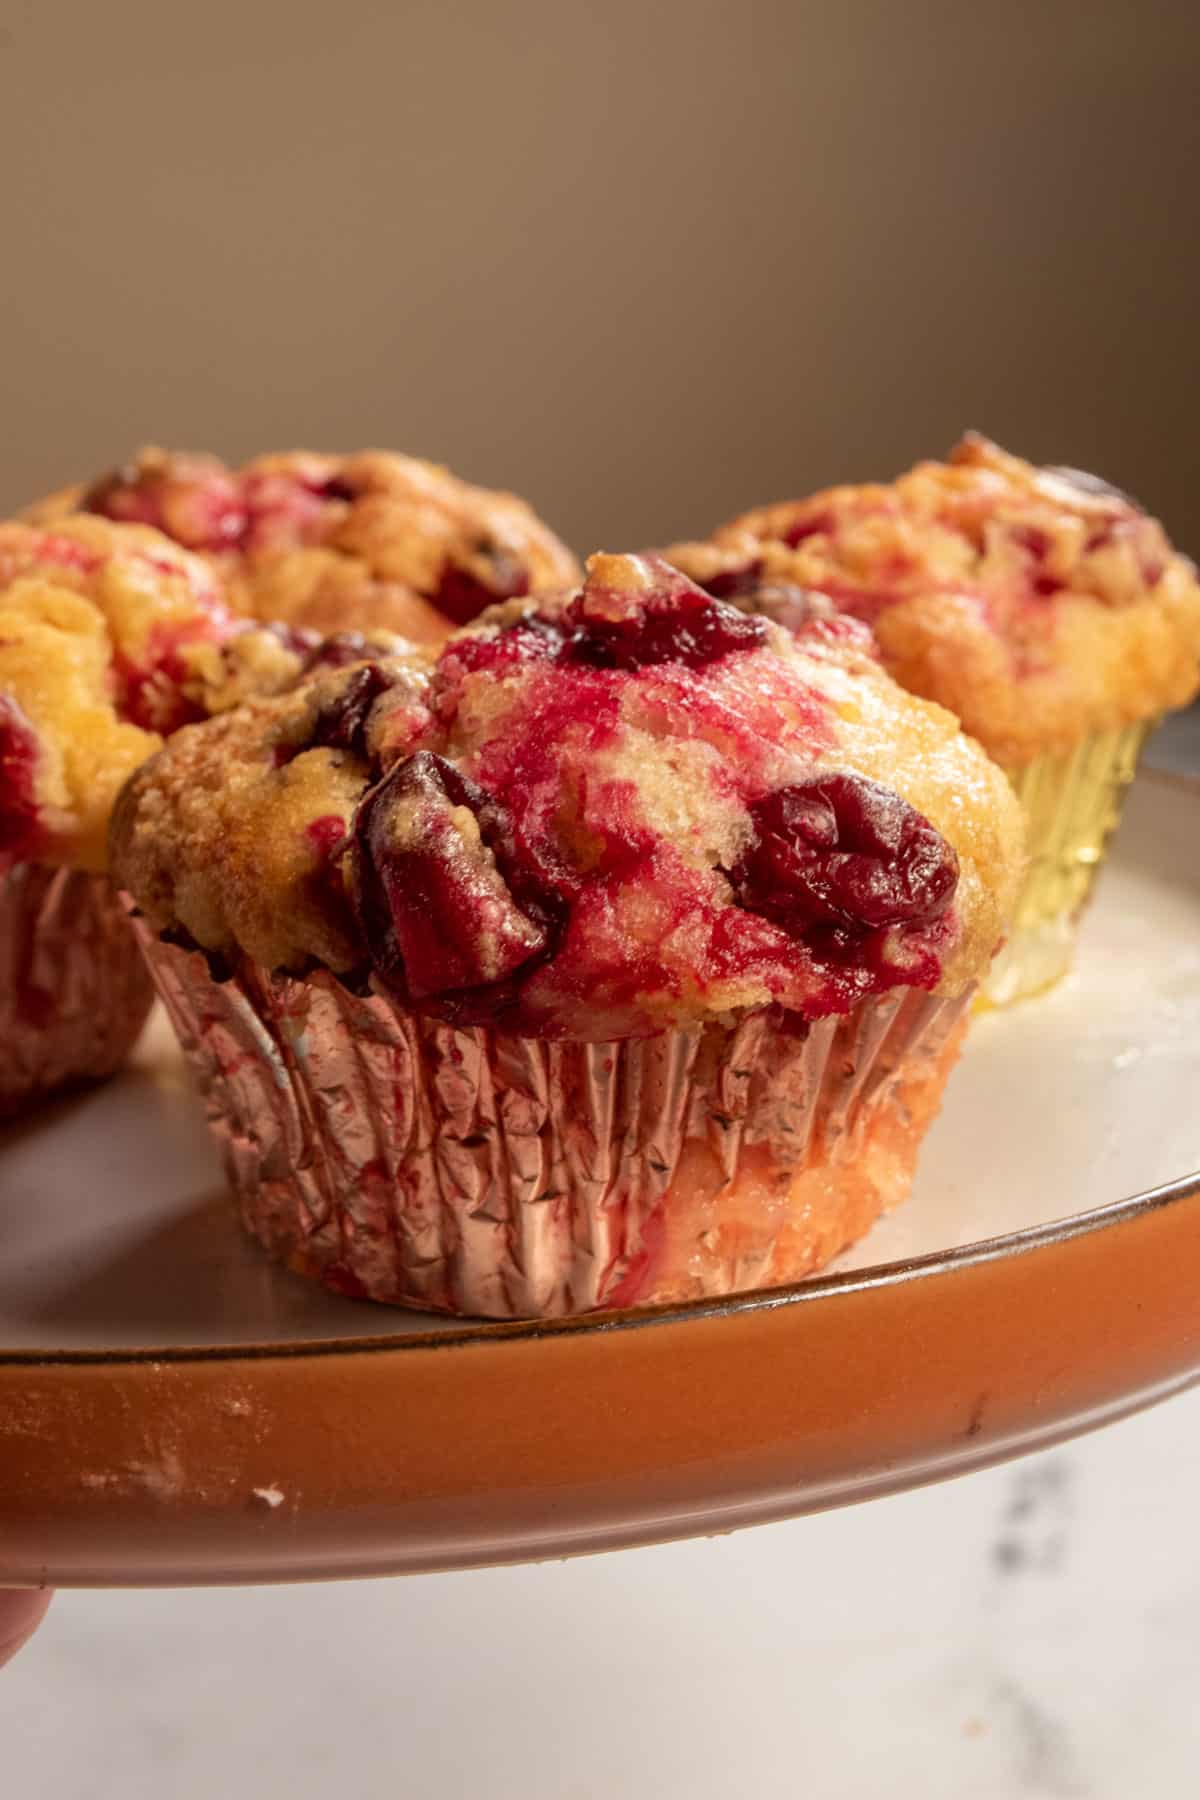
(530, 640)
(443, 926)
(326, 835)
(18, 786)
(338, 488)
(462, 596)
(806, 528)
(842, 851)
(790, 606)
(152, 694)
(341, 724)
(201, 512)
(124, 496)
(735, 584)
(677, 622)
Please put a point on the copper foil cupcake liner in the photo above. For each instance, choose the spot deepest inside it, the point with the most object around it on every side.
(1072, 803)
(74, 992)
(461, 1170)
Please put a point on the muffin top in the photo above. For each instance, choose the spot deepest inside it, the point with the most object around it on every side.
(337, 542)
(1039, 605)
(592, 816)
(111, 637)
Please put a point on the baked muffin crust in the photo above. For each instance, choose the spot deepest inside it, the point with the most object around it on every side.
(1039, 605)
(591, 816)
(334, 542)
(111, 637)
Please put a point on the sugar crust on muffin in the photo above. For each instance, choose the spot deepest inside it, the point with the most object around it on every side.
(331, 542)
(1039, 605)
(595, 815)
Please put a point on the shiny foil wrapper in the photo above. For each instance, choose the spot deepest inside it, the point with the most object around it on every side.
(461, 1170)
(1072, 803)
(74, 992)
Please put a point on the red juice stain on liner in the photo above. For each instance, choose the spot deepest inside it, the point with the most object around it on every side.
(641, 1268)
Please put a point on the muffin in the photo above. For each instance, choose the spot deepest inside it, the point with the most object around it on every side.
(617, 955)
(1042, 606)
(337, 543)
(110, 638)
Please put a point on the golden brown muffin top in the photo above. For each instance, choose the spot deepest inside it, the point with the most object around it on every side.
(332, 543)
(591, 816)
(1039, 605)
(111, 637)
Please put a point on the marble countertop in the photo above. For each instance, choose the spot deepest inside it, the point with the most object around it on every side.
(1031, 1630)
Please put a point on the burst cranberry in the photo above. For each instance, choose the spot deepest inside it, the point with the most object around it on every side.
(200, 511)
(341, 724)
(152, 692)
(326, 834)
(441, 923)
(462, 596)
(844, 852)
(529, 640)
(735, 584)
(806, 528)
(18, 786)
(125, 496)
(790, 606)
(338, 488)
(674, 622)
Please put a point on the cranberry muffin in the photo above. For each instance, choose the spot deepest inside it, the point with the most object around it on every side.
(1043, 607)
(618, 955)
(110, 638)
(337, 543)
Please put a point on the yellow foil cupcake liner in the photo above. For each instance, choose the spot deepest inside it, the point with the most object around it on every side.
(1072, 802)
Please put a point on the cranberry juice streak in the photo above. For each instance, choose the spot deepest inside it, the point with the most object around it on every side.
(19, 815)
(481, 891)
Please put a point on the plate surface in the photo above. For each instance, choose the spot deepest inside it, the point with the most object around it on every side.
(173, 1409)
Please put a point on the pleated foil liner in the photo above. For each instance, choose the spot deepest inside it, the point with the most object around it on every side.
(74, 992)
(460, 1170)
(1072, 804)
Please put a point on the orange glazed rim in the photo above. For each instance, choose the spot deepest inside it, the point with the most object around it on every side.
(812, 1288)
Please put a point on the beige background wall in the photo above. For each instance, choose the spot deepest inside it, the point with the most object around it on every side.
(646, 263)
